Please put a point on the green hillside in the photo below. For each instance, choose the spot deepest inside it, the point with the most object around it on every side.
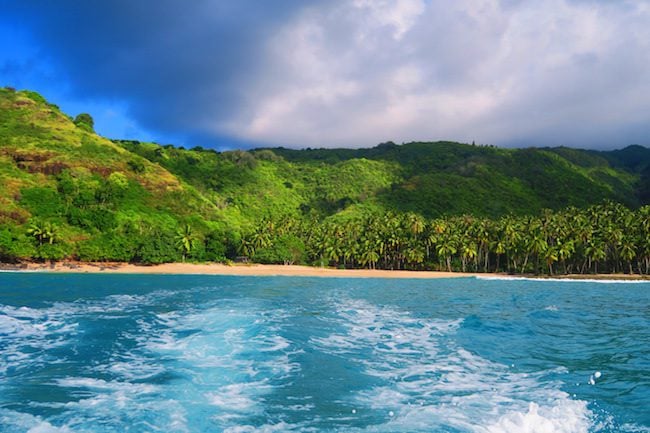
(66, 192)
(249, 186)
(87, 196)
(447, 178)
(635, 159)
(431, 179)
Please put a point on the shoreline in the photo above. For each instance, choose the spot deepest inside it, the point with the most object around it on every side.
(284, 270)
(238, 269)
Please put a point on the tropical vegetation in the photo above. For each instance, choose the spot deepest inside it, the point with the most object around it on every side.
(68, 193)
(603, 238)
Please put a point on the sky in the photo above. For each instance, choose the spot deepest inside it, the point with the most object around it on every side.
(339, 73)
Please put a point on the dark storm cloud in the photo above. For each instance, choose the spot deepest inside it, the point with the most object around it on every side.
(177, 64)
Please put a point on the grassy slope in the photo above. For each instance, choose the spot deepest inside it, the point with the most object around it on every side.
(41, 149)
(38, 143)
(250, 186)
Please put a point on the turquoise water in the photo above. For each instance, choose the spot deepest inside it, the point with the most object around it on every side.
(136, 353)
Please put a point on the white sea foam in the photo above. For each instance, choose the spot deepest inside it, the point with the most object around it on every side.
(225, 357)
(46, 427)
(22, 271)
(19, 326)
(431, 383)
(562, 280)
(13, 326)
(634, 428)
(228, 358)
(26, 335)
(238, 397)
(131, 366)
(268, 428)
(103, 385)
(273, 343)
(115, 404)
(13, 421)
(567, 416)
(230, 355)
(30, 333)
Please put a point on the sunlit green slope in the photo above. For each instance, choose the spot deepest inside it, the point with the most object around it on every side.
(66, 192)
(89, 193)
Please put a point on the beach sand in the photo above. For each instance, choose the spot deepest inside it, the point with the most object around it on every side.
(235, 269)
(275, 270)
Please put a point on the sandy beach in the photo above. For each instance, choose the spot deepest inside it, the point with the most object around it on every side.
(275, 270)
(235, 269)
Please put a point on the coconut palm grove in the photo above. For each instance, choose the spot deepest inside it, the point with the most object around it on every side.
(67, 193)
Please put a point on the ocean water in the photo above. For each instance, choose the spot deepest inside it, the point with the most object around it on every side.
(142, 353)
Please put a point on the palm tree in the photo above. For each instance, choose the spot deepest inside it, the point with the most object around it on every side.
(595, 252)
(369, 257)
(51, 233)
(628, 251)
(538, 245)
(551, 256)
(602, 238)
(416, 224)
(499, 248)
(43, 232)
(564, 251)
(260, 239)
(468, 252)
(185, 240)
(246, 248)
(446, 249)
(36, 230)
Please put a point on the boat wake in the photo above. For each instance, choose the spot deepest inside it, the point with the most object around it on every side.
(325, 362)
(430, 383)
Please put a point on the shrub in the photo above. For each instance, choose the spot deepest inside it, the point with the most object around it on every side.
(287, 249)
(136, 166)
(92, 218)
(14, 246)
(107, 247)
(85, 121)
(55, 251)
(34, 96)
(215, 247)
(156, 248)
(42, 202)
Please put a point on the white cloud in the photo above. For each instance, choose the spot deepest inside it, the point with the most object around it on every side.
(359, 72)
(401, 15)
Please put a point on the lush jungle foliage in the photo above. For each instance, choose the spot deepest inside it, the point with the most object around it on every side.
(67, 193)
(602, 238)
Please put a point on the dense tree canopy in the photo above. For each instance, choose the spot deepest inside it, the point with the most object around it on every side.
(602, 238)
